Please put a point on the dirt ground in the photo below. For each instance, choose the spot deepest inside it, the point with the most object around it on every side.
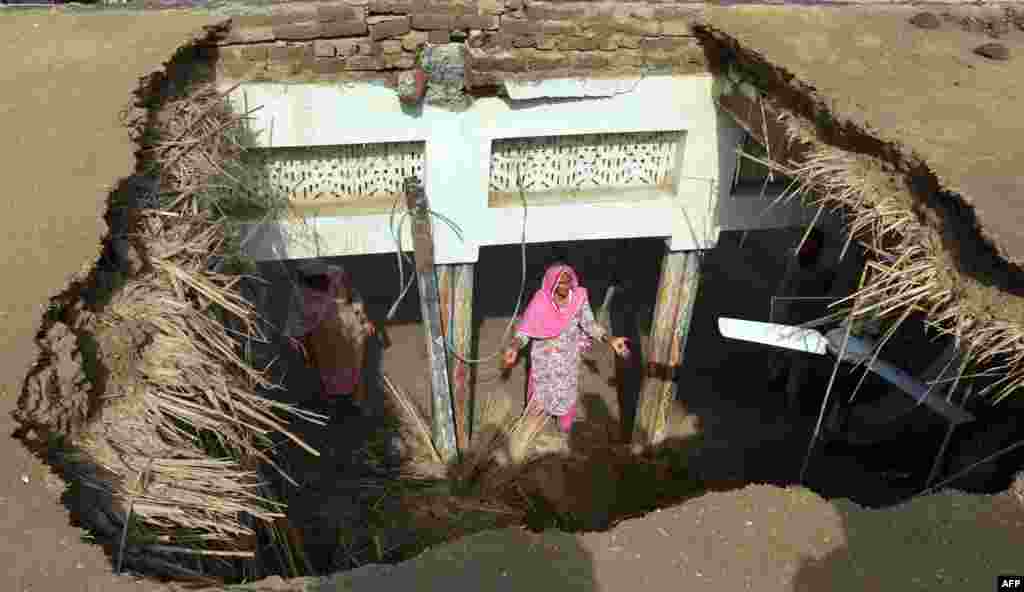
(65, 82)
(729, 430)
(922, 90)
(71, 78)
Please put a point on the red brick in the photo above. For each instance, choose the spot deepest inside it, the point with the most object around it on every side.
(339, 11)
(255, 53)
(412, 40)
(391, 46)
(590, 60)
(328, 66)
(497, 64)
(626, 58)
(288, 53)
(359, 62)
(444, 7)
(394, 27)
(324, 49)
(666, 44)
(519, 26)
(628, 41)
(679, 28)
(432, 22)
(663, 13)
(578, 43)
(367, 47)
(546, 42)
(345, 47)
(558, 12)
(439, 36)
(297, 31)
(400, 60)
(249, 35)
(239, 69)
(558, 27)
(634, 26)
(256, 20)
(491, 7)
(478, 79)
(545, 60)
(524, 41)
(394, 6)
(606, 43)
(343, 29)
(476, 22)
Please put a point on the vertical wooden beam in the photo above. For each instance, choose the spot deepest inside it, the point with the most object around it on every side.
(677, 292)
(455, 283)
(443, 431)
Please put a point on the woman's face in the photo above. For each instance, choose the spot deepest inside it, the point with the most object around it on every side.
(562, 288)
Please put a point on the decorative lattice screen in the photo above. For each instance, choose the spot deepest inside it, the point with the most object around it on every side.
(585, 161)
(349, 172)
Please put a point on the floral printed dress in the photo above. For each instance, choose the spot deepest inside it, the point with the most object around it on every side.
(554, 375)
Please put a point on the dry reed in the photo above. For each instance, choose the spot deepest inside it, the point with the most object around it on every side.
(178, 443)
(909, 271)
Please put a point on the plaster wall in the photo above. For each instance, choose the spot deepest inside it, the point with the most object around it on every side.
(457, 158)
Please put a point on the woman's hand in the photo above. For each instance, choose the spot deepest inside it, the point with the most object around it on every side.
(618, 345)
(511, 356)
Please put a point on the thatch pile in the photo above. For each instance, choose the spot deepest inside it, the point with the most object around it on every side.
(178, 432)
(909, 271)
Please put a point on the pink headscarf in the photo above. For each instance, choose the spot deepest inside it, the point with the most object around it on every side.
(543, 319)
(317, 306)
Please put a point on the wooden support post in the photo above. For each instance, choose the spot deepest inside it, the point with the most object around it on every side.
(443, 432)
(677, 292)
(455, 284)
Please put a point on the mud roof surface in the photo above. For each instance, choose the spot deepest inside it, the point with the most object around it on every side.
(922, 90)
(66, 81)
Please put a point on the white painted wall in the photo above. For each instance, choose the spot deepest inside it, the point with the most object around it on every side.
(458, 157)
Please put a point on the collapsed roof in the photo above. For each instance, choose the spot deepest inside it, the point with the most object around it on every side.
(926, 100)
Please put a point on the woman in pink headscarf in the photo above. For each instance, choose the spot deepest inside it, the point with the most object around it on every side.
(330, 326)
(561, 324)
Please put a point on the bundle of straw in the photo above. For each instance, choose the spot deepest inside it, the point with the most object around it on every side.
(909, 271)
(183, 429)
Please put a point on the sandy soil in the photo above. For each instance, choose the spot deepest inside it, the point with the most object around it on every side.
(78, 74)
(755, 538)
(65, 82)
(924, 91)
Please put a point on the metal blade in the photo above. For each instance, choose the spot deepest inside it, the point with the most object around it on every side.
(776, 335)
(860, 350)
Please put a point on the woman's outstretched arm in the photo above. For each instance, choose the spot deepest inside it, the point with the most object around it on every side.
(590, 324)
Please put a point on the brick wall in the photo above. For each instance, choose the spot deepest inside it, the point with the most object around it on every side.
(375, 39)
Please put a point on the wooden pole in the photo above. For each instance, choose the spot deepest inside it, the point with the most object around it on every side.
(677, 292)
(455, 284)
(443, 430)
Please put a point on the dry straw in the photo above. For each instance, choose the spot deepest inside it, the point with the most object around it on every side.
(177, 444)
(908, 272)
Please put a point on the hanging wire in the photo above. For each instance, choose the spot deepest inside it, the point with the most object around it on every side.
(396, 234)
